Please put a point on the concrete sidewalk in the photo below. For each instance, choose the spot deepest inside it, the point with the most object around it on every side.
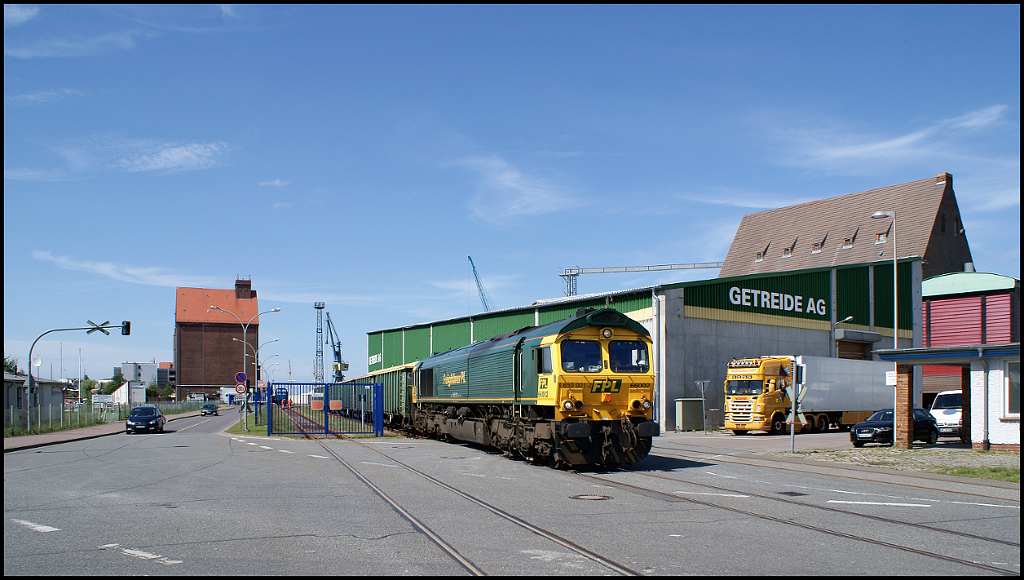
(91, 432)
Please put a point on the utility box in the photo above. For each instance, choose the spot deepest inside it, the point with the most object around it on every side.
(689, 415)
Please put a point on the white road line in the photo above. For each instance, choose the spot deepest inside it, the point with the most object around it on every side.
(893, 504)
(265, 447)
(380, 464)
(318, 456)
(285, 451)
(705, 493)
(159, 559)
(36, 527)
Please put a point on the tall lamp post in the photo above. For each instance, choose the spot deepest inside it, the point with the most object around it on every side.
(245, 330)
(835, 345)
(895, 312)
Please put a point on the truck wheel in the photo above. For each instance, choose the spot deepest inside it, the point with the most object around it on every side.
(739, 431)
(823, 423)
(777, 424)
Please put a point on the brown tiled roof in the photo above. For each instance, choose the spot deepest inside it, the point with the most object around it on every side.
(193, 305)
(834, 220)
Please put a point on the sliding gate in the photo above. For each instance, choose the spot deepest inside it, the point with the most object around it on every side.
(325, 408)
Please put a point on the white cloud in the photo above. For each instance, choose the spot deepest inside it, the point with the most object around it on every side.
(41, 97)
(58, 47)
(275, 183)
(15, 14)
(829, 146)
(147, 276)
(505, 192)
(106, 153)
(228, 11)
(155, 156)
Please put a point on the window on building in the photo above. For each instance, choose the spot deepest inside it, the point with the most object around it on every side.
(787, 252)
(1012, 381)
(760, 255)
(847, 242)
(816, 248)
(880, 238)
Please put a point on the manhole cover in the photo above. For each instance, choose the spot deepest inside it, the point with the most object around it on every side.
(590, 496)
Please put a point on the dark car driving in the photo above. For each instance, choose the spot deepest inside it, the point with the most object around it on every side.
(878, 428)
(209, 410)
(145, 417)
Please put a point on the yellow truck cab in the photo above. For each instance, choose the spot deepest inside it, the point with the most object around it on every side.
(755, 394)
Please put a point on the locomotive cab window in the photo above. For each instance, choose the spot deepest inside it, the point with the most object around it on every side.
(544, 361)
(628, 356)
(581, 356)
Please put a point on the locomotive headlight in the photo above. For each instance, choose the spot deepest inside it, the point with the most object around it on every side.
(578, 405)
(646, 404)
(635, 404)
(607, 333)
(567, 405)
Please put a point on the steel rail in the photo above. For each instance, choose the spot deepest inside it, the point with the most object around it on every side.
(675, 498)
(546, 534)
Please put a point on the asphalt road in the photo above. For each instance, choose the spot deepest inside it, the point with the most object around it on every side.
(196, 501)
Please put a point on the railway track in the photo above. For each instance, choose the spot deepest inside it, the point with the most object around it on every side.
(851, 472)
(691, 455)
(311, 427)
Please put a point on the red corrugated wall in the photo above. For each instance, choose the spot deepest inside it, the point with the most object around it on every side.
(997, 319)
(953, 322)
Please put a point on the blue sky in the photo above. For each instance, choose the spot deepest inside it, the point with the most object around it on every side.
(358, 155)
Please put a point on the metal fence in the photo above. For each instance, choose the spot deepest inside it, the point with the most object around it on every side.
(326, 408)
(47, 418)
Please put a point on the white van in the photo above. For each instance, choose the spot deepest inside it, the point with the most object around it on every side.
(946, 408)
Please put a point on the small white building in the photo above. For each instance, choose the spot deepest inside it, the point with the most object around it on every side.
(991, 400)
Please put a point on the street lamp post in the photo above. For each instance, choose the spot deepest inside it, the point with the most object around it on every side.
(834, 346)
(245, 330)
(895, 312)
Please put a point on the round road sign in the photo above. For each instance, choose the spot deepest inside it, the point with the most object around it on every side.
(239, 377)
(240, 388)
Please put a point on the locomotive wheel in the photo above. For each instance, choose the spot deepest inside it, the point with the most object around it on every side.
(555, 462)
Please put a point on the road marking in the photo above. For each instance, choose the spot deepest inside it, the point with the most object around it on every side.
(893, 504)
(265, 447)
(705, 493)
(36, 527)
(249, 443)
(318, 456)
(158, 558)
(1013, 507)
(285, 451)
(474, 474)
(380, 464)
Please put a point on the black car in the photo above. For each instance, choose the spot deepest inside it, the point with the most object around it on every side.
(145, 417)
(878, 428)
(209, 410)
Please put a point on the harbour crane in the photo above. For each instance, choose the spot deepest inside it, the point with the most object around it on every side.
(339, 365)
(570, 274)
(485, 298)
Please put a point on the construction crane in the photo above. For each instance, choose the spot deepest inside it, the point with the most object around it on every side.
(318, 361)
(339, 365)
(485, 298)
(570, 274)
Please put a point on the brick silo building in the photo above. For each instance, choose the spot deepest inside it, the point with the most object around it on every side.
(206, 356)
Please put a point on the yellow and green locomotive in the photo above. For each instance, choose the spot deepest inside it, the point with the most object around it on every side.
(574, 392)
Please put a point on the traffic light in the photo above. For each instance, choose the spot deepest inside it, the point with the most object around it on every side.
(126, 327)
